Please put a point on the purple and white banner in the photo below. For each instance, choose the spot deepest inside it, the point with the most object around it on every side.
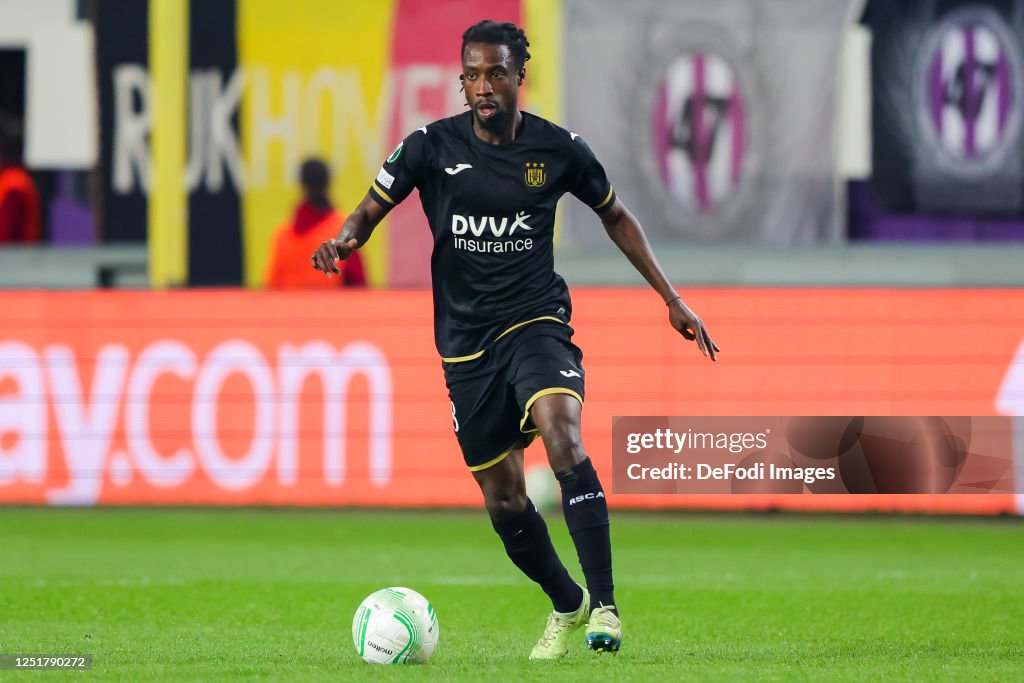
(947, 86)
(714, 120)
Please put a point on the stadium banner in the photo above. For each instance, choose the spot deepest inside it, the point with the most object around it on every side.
(233, 397)
(268, 85)
(947, 121)
(314, 81)
(713, 119)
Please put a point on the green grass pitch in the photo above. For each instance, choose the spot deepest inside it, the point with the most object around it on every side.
(183, 595)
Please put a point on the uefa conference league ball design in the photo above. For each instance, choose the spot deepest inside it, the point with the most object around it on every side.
(395, 626)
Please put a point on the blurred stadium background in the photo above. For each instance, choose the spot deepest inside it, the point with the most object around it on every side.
(837, 186)
(845, 203)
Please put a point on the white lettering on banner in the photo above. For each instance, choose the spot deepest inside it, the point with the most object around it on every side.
(224, 145)
(349, 120)
(336, 371)
(322, 83)
(214, 142)
(88, 414)
(285, 111)
(267, 127)
(85, 423)
(131, 128)
(197, 129)
(230, 357)
(163, 357)
(22, 415)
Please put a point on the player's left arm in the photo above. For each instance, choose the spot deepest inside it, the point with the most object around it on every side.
(627, 233)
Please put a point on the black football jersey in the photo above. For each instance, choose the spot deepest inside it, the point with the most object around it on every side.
(491, 210)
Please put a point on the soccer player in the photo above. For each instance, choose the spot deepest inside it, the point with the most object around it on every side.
(489, 180)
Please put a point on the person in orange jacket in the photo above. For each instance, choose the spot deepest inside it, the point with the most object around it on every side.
(313, 221)
(20, 214)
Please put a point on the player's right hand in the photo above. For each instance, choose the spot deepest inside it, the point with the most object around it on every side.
(324, 258)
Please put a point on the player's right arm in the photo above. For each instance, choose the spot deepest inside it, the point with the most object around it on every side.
(354, 232)
(398, 176)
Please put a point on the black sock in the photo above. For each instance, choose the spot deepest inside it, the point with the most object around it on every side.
(586, 515)
(528, 545)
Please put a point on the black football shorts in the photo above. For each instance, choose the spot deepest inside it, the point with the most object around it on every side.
(491, 395)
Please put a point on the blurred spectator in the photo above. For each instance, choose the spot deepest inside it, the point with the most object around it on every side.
(314, 221)
(20, 219)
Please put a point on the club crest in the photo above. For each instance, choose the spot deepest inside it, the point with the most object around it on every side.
(535, 175)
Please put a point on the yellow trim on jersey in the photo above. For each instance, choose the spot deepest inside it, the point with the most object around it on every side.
(463, 359)
(474, 356)
(539, 394)
(611, 190)
(495, 461)
(383, 194)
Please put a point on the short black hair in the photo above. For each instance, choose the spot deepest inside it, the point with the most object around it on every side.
(314, 174)
(499, 33)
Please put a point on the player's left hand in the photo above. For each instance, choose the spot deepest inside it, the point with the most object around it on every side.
(688, 324)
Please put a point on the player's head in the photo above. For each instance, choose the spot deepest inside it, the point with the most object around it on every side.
(314, 176)
(494, 59)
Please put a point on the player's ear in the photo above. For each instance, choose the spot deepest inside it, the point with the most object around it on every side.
(462, 82)
(522, 75)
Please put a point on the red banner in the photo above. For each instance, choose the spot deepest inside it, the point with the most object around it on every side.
(308, 398)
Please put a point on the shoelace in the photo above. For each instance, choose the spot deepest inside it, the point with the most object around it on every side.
(551, 629)
(604, 616)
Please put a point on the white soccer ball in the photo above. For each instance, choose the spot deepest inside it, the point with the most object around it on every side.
(542, 488)
(395, 626)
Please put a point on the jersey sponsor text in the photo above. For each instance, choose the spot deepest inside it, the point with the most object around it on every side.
(466, 228)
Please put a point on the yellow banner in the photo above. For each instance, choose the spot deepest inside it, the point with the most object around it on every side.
(316, 83)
